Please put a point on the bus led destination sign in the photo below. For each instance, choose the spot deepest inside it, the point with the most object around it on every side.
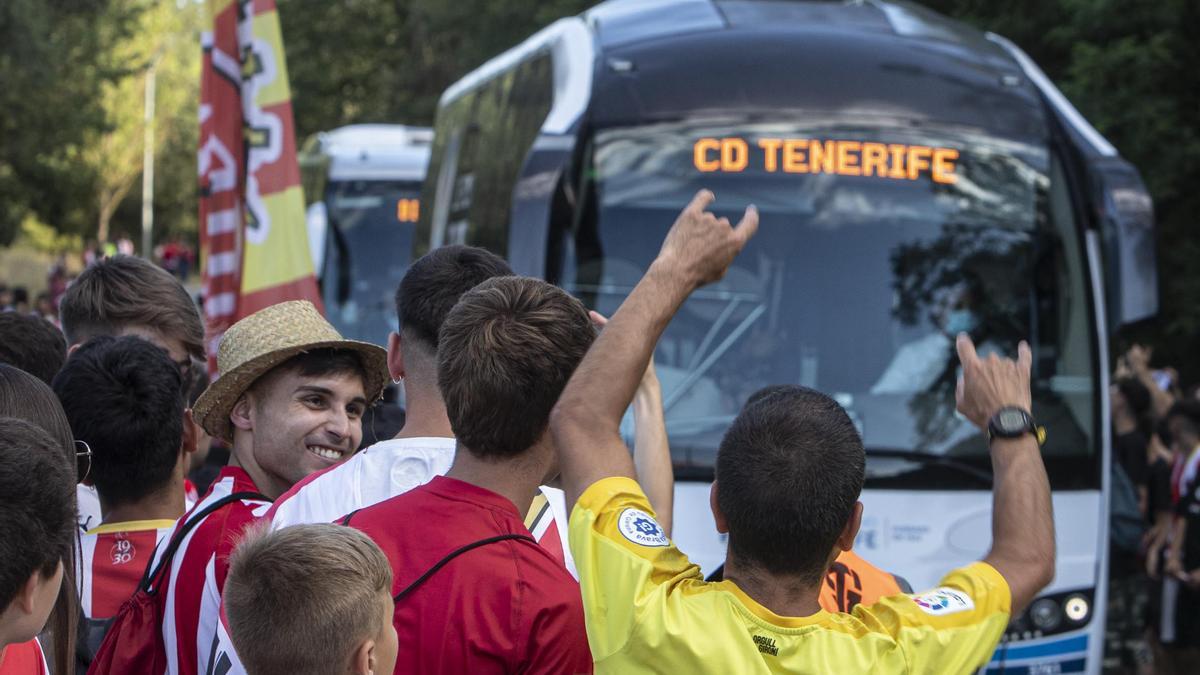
(897, 161)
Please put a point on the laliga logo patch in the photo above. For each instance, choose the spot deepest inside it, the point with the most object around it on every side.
(641, 528)
(944, 600)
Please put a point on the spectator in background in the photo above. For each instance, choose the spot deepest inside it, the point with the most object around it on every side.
(24, 397)
(1130, 401)
(123, 398)
(125, 295)
(1182, 566)
(341, 622)
(20, 300)
(31, 344)
(37, 523)
(44, 308)
(5, 298)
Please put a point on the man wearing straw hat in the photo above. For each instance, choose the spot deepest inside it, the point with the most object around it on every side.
(289, 401)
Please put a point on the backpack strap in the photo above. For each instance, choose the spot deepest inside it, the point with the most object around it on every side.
(454, 554)
(348, 516)
(152, 574)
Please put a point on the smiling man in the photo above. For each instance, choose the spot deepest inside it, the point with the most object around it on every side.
(289, 401)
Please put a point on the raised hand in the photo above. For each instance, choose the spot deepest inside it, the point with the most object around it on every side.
(701, 246)
(989, 384)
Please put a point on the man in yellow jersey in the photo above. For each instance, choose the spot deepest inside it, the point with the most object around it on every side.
(789, 473)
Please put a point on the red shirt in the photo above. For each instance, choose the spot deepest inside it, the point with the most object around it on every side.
(192, 594)
(506, 607)
(25, 658)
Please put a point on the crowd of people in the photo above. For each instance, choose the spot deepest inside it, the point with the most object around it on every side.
(1154, 590)
(507, 527)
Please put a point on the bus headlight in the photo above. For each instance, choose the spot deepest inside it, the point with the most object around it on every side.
(1045, 614)
(1077, 608)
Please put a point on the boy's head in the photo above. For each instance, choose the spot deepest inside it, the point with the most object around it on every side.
(789, 473)
(506, 351)
(311, 599)
(126, 295)
(37, 527)
(1183, 422)
(291, 394)
(32, 344)
(125, 399)
(429, 290)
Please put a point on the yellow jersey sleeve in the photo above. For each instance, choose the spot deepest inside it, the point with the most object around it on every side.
(953, 628)
(627, 565)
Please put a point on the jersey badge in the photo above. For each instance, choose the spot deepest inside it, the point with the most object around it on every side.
(641, 528)
(944, 600)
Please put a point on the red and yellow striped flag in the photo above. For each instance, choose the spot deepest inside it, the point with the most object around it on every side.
(253, 238)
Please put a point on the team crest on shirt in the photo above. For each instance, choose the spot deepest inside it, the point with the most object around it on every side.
(944, 600)
(122, 550)
(640, 527)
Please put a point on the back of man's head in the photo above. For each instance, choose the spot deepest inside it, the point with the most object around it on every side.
(435, 282)
(302, 599)
(123, 291)
(124, 398)
(37, 506)
(789, 472)
(506, 351)
(32, 344)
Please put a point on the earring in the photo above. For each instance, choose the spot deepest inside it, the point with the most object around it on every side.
(397, 380)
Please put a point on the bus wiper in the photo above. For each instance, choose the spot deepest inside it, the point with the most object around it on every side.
(926, 458)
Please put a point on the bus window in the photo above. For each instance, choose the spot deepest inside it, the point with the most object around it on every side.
(488, 132)
(371, 224)
(876, 246)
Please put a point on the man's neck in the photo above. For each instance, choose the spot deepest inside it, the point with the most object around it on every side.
(164, 504)
(424, 413)
(263, 482)
(784, 596)
(517, 480)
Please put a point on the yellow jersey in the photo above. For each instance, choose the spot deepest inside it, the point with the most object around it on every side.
(649, 610)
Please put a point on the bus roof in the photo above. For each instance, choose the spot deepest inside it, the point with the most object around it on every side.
(374, 151)
(844, 59)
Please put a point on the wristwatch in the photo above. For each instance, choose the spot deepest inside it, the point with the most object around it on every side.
(1014, 422)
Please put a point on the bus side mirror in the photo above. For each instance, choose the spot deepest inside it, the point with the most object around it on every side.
(1126, 218)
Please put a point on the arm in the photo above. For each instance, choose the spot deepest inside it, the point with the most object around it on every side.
(651, 450)
(1022, 516)
(586, 422)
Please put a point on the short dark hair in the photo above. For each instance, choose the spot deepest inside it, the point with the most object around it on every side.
(125, 291)
(32, 344)
(507, 350)
(1136, 395)
(1188, 411)
(789, 472)
(37, 506)
(320, 362)
(435, 282)
(124, 398)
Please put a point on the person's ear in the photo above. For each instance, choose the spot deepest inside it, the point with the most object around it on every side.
(363, 660)
(718, 516)
(241, 416)
(187, 444)
(845, 540)
(395, 360)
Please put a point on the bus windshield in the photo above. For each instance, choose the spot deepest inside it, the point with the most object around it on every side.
(877, 244)
(367, 251)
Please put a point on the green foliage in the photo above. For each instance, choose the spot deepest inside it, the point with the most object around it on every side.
(1132, 67)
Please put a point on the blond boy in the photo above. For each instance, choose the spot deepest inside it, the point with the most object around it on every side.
(310, 599)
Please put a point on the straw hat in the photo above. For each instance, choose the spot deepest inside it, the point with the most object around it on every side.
(267, 338)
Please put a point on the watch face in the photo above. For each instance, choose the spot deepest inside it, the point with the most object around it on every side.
(1010, 420)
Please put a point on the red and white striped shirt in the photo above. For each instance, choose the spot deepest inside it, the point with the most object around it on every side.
(112, 559)
(192, 592)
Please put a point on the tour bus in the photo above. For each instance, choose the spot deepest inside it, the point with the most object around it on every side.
(915, 178)
(363, 185)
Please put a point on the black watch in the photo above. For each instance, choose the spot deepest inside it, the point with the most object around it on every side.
(1014, 422)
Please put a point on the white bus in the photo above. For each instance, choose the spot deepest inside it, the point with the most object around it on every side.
(914, 177)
